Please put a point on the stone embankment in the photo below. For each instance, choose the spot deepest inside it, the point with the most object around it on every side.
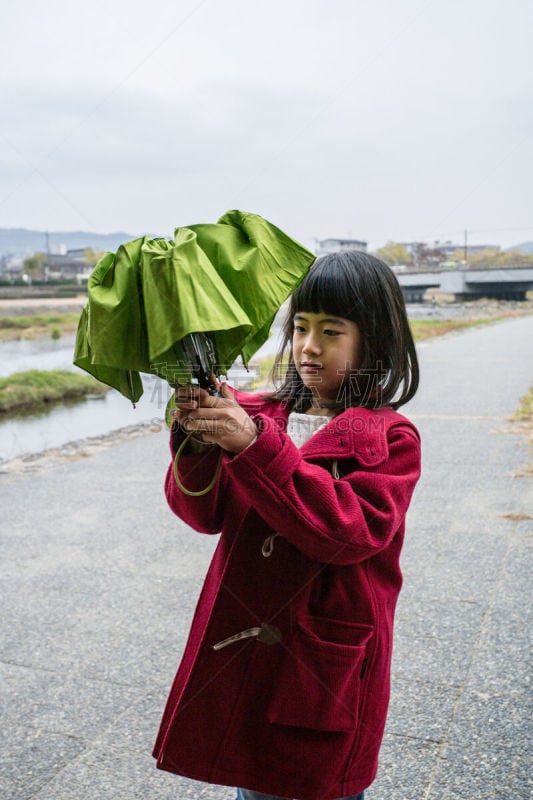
(15, 307)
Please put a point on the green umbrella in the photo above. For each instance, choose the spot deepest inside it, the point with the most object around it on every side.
(221, 282)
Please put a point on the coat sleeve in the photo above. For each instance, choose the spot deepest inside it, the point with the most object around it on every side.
(204, 513)
(339, 521)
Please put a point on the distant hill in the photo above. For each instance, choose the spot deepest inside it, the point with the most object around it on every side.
(525, 247)
(24, 242)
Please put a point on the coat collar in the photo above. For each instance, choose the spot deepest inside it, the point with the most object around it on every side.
(359, 433)
(356, 432)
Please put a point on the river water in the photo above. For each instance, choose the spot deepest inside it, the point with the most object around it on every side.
(67, 422)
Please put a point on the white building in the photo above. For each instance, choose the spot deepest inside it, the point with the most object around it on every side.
(324, 246)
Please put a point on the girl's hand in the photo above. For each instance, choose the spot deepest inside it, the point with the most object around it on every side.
(214, 420)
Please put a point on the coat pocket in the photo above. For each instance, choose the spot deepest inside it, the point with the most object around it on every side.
(319, 682)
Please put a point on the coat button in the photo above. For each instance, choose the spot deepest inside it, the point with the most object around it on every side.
(269, 634)
(268, 545)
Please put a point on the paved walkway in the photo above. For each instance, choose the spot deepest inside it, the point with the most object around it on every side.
(99, 582)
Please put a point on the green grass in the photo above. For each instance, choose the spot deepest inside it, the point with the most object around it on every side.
(25, 391)
(427, 328)
(27, 327)
(525, 410)
(262, 380)
(523, 417)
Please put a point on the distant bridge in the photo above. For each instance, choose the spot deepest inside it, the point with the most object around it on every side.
(469, 284)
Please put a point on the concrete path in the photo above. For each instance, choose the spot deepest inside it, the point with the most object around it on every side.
(99, 582)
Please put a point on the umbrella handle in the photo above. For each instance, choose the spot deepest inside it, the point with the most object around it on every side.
(200, 354)
(209, 386)
(177, 478)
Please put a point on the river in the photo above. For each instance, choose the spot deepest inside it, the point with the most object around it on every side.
(66, 422)
(56, 425)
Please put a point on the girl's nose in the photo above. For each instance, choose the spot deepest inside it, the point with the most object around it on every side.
(311, 345)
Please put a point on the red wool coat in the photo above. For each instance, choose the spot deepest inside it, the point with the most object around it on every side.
(311, 562)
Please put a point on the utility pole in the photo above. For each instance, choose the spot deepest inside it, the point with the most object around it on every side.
(47, 265)
(466, 246)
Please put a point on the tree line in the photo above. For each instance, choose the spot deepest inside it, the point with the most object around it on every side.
(395, 253)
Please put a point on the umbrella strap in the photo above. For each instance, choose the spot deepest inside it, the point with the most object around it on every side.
(178, 479)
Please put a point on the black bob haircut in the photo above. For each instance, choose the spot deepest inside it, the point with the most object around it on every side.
(363, 289)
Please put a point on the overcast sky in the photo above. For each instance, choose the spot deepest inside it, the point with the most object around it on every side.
(371, 119)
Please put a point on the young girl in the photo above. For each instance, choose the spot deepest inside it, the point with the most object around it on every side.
(284, 683)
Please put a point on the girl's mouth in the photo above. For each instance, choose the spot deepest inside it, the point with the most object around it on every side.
(309, 367)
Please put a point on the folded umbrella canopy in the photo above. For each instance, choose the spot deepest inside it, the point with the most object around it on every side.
(227, 280)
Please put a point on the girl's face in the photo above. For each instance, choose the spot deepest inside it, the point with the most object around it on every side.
(325, 349)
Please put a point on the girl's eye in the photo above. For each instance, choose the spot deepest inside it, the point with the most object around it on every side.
(331, 333)
(298, 329)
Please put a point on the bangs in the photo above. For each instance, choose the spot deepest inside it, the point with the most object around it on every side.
(328, 291)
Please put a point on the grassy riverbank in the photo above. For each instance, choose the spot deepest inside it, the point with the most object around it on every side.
(34, 389)
(40, 325)
(525, 411)
(421, 328)
(428, 328)
(32, 326)
(523, 423)
(26, 391)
